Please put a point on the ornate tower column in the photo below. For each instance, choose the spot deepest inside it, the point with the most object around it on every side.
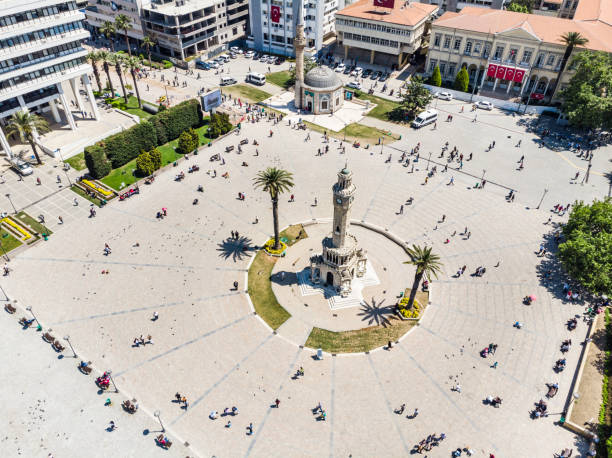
(343, 195)
(299, 43)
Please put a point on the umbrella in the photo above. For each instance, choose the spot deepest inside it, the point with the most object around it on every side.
(532, 297)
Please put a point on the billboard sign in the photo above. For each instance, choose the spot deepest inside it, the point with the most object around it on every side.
(211, 100)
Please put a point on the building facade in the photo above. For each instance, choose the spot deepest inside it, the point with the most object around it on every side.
(100, 11)
(41, 52)
(394, 34)
(272, 24)
(509, 54)
(186, 28)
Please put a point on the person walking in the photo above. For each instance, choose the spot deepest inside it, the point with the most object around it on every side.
(277, 402)
(401, 211)
(61, 220)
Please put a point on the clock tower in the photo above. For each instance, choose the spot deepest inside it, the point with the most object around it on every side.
(343, 195)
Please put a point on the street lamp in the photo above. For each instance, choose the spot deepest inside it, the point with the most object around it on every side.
(8, 196)
(483, 174)
(67, 339)
(29, 309)
(157, 414)
(586, 177)
(545, 191)
(430, 153)
(59, 150)
(109, 372)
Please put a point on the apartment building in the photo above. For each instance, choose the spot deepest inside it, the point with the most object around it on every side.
(186, 28)
(272, 24)
(100, 11)
(387, 35)
(509, 54)
(41, 50)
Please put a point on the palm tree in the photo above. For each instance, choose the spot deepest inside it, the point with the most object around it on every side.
(123, 22)
(148, 43)
(106, 59)
(275, 181)
(117, 60)
(571, 40)
(25, 125)
(427, 265)
(94, 58)
(108, 30)
(133, 63)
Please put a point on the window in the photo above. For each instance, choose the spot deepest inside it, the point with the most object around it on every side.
(526, 57)
(468, 48)
(487, 51)
(432, 64)
(457, 44)
(451, 69)
(442, 67)
(477, 47)
(551, 60)
(498, 52)
(512, 55)
(447, 42)
(437, 40)
(539, 60)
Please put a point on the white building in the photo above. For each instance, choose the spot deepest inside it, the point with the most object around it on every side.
(41, 49)
(272, 24)
(99, 11)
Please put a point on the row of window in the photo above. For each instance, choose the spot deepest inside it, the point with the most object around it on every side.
(378, 27)
(474, 48)
(40, 73)
(37, 13)
(373, 40)
(40, 34)
(39, 56)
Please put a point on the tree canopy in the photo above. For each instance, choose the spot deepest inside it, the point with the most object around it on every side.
(462, 80)
(587, 251)
(414, 100)
(436, 77)
(587, 101)
(518, 8)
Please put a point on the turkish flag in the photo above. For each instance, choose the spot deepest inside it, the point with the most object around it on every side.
(275, 14)
(510, 74)
(492, 70)
(501, 72)
(518, 76)
(384, 3)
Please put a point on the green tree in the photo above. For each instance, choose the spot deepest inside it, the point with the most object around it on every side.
(586, 99)
(518, 8)
(586, 253)
(195, 137)
(308, 65)
(26, 126)
(117, 60)
(462, 80)
(133, 63)
(427, 265)
(107, 59)
(108, 30)
(414, 99)
(144, 164)
(219, 125)
(156, 158)
(94, 58)
(275, 182)
(148, 43)
(571, 40)
(123, 22)
(436, 77)
(186, 142)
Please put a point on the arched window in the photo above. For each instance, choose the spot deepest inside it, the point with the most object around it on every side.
(337, 229)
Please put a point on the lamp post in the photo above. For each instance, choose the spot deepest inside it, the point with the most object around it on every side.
(588, 172)
(59, 150)
(110, 376)
(29, 309)
(483, 174)
(67, 339)
(8, 196)
(430, 153)
(545, 191)
(157, 414)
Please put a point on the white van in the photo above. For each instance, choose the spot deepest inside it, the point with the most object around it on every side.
(256, 78)
(426, 117)
(227, 80)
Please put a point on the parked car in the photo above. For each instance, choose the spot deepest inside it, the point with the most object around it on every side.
(202, 65)
(356, 71)
(340, 68)
(22, 167)
(367, 72)
(484, 105)
(444, 95)
(383, 77)
(354, 85)
(249, 54)
(227, 81)
(236, 50)
(213, 64)
(375, 75)
(279, 60)
(347, 70)
(233, 55)
(224, 57)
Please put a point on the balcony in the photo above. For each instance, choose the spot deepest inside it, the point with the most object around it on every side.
(40, 23)
(32, 63)
(37, 45)
(27, 68)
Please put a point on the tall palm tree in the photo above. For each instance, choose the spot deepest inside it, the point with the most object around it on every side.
(571, 40)
(123, 22)
(133, 63)
(148, 43)
(25, 125)
(274, 181)
(427, 265)
(117, 60)
(94, 58)
(106, 58)
(108, 30)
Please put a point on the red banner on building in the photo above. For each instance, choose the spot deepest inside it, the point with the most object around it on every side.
(384, 3)
(275, 14)
(501, 72)
(509, 74)
(492, 70)
(518, 76)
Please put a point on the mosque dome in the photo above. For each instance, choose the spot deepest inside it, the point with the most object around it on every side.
(322, 78)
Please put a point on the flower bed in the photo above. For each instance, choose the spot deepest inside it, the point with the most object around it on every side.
(406, 313)
(269, 248)
(97, 188)
(18, 228)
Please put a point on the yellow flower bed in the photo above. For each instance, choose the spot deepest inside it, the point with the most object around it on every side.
(269, 248)
(17, 227)
(93, 186)
(407, 313)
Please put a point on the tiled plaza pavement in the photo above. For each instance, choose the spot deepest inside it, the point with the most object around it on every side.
(211, 348)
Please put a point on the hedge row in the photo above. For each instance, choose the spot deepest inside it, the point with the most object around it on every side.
(121, 148)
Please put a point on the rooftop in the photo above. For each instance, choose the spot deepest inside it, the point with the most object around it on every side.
(541, 28)
(594, 10)
(178, 8)
(403, 13)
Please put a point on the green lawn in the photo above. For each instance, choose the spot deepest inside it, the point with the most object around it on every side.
(260, 291)
(132, 107)
(383, 106)
(77, 162)
(8, 241)
(84, 195)
(249, 93)
(356, 132)
(279, 78)
(33, 224)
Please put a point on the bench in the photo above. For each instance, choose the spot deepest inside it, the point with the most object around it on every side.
(10, 309)
(48, 338)
(244, 141)
(24, 322)
(229, 148)
(57, 346)
(85, 369)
